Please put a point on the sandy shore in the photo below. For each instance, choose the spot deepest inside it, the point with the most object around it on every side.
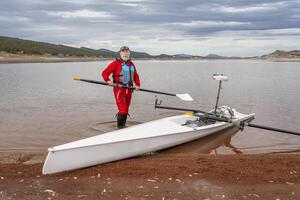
(159, 176)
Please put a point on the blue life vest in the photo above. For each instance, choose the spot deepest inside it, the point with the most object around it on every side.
(127, 74)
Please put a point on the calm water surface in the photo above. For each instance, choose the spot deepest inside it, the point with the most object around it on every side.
(41, 106)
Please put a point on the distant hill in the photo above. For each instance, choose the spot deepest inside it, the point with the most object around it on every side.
(29, 47)
(19, 46)
(215, 56)
(295, 54)
(134, 54)
(182, 55)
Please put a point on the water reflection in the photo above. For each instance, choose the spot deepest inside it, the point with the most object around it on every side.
(212, 144)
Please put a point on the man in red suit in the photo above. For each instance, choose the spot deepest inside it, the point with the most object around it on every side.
(123, 73)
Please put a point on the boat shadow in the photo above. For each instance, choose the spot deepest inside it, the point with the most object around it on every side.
(207, 145)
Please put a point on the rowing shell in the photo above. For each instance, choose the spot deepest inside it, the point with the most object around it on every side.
(129, 142)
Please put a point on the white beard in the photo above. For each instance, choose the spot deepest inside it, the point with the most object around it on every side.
(125, 58)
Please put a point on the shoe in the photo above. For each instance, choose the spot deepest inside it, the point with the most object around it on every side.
(124, 120)
(121, 121)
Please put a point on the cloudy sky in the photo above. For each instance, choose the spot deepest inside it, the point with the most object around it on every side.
(240, 27)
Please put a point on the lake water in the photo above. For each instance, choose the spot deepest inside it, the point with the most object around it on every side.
(41, 106)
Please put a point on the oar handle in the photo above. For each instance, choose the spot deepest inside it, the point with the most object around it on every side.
(102, 83)
(90, 81)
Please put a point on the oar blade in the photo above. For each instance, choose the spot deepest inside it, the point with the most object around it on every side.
(185, 97)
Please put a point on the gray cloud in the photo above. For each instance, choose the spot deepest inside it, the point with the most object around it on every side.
(196, 27)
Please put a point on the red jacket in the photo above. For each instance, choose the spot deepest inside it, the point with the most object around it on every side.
(115, 68)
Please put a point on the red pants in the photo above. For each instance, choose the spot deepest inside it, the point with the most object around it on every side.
(123, 99)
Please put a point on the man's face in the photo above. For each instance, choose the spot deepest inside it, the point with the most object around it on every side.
(125, 53)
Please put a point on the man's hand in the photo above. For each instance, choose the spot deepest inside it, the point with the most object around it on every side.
(137, 88)
(110, 83)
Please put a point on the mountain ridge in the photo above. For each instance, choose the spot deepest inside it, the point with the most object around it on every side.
(29, 47)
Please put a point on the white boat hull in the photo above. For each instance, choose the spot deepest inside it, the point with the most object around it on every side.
(128, 142)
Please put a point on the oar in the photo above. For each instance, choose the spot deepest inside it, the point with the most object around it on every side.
(184, 97)
(213, 117)
(271, 128)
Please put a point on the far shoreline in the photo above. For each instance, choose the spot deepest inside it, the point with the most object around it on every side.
(16, 58)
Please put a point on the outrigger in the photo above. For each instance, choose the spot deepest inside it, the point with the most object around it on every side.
(218, 113)
(148, 137)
